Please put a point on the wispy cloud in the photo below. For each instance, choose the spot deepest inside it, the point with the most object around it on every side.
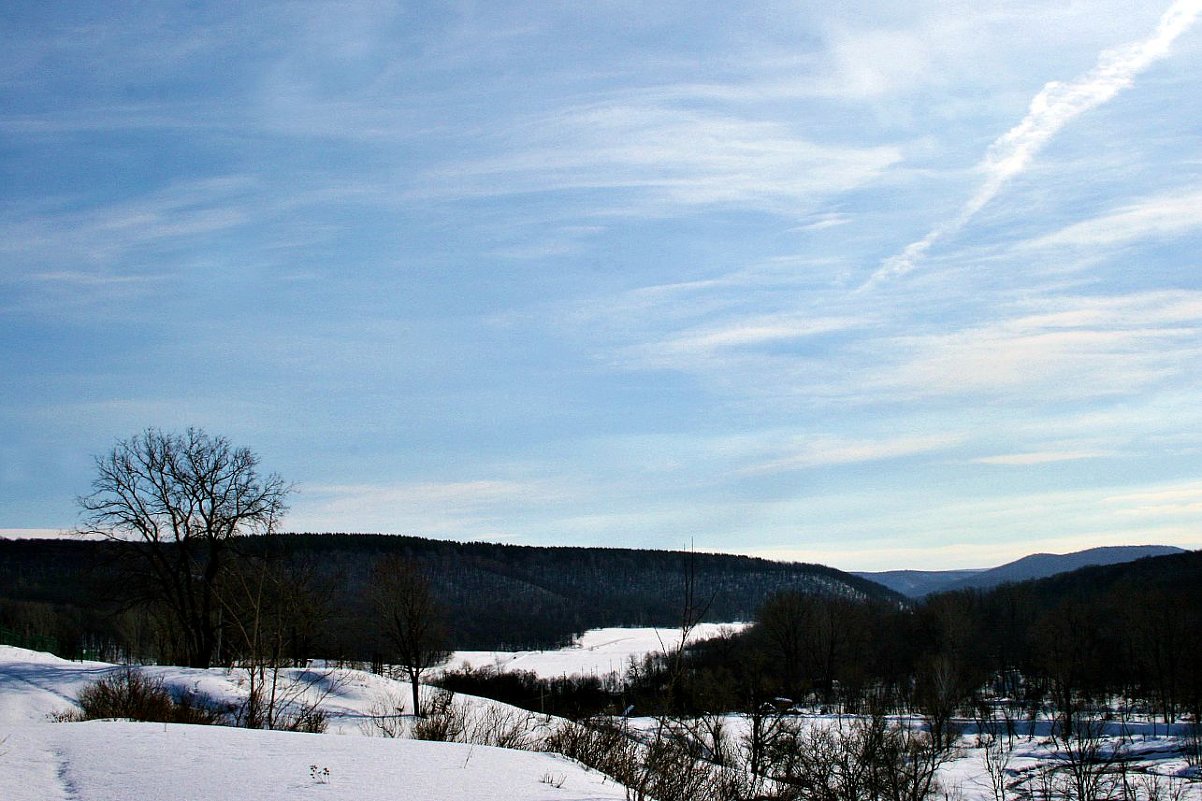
(1039, 457)
(1055, 106)
(104, 233)
(1073, 348)
(665, 157)
(739, 334)
(830, 451)
(979, 531)
(449, 508)
(1181, 500)
(1162, 216)
(819, 222)
(33, 533)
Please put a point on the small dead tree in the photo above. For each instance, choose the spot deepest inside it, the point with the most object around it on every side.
(996, 751)
(411, 620)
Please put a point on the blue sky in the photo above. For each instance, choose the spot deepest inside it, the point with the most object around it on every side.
(883, 285)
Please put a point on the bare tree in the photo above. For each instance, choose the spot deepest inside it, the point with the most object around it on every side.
(179, 501)
(411, 619)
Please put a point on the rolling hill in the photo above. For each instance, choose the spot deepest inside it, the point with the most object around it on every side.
(919, 583)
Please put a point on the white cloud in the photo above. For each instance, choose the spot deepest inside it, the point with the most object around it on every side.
(34, 533)
(829, 451)
(1054, 107)
(667, 158)
(453, 508)
(1176, 501)
(1076, 347)
(1039, 457)
(941, 531)
(1160, 217)
(819, 222)
(105, 235)
(700, 345)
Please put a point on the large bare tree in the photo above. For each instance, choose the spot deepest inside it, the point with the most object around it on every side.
(179, 501)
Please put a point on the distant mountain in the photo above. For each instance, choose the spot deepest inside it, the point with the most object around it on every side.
(918, 583)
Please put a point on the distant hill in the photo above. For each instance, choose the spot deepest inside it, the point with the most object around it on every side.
(495, 595)
(919, 583)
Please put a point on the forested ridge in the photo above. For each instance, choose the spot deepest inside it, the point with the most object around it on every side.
(494, 595)
(1130, 630)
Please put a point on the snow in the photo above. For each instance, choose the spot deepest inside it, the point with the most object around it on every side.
(103, 760)
(43, 760)
(598, 652)
(116, 760)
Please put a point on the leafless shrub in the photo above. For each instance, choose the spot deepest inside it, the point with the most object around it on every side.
(1149, 786)
(285, 700)
(1087, 766)
(996, 751)
(600, 744)
(997, 764)
(867, 759)
(129, 693)
(444, 721)
(386, 717)
(504, 728)
(449, 720)
(662, 764)
(1191, 744)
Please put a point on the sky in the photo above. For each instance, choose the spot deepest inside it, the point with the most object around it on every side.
(876, 285)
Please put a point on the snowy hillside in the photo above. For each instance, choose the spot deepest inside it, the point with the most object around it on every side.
(42, 760)
(45, 760)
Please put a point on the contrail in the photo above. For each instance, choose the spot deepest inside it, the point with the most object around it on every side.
(1053, 108)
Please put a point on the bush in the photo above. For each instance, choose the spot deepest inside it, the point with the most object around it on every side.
(444, 721)
(131, 694)
(659, 764)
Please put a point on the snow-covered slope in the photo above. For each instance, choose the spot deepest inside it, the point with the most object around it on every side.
(597, 652)
(117, 761)
(41, 760)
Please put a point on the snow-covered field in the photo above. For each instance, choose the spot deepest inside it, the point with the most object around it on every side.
(114, 761)
(597, 652)
(42, 760)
